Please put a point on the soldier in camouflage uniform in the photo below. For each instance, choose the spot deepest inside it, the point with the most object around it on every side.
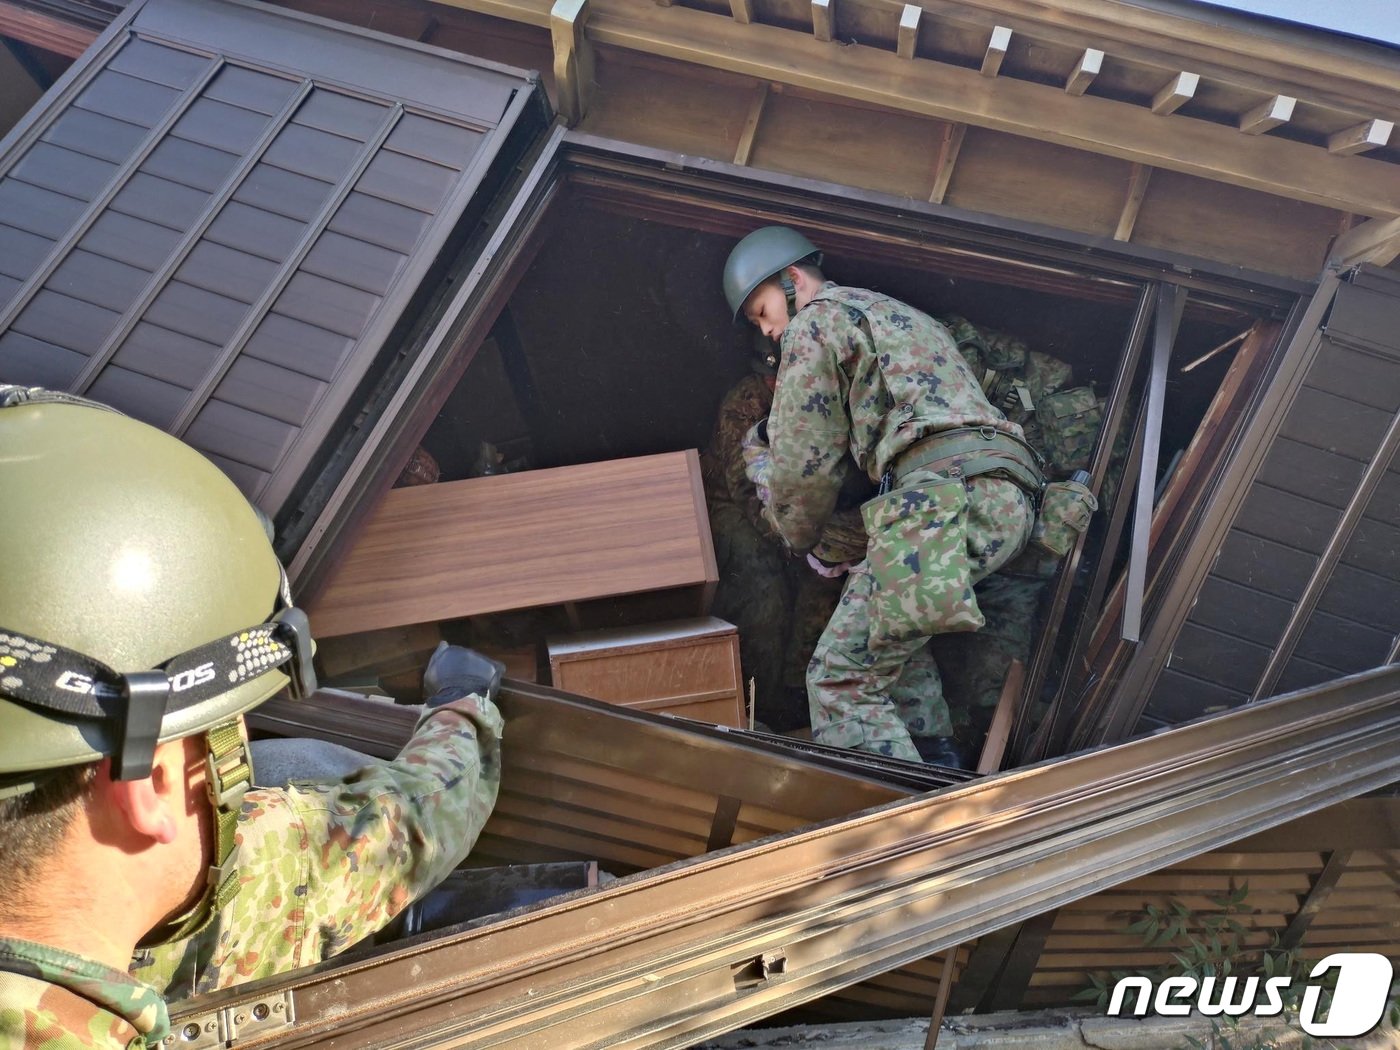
(778, 604)
(142, 611)
(865, 375)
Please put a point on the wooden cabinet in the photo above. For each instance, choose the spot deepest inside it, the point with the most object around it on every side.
(685, 667)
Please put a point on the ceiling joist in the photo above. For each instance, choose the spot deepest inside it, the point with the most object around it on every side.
(822, 19)
(742, 10)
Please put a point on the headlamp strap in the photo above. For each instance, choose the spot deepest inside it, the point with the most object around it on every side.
(52, 678)
(230, 776)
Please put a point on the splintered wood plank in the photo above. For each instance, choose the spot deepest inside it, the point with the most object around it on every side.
(518, 541)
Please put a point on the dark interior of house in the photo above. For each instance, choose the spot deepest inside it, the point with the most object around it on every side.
(617, 343)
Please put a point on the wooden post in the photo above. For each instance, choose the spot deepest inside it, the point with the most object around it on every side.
(746, 137)
(953, 135)
(1137, 189)
(573, 58)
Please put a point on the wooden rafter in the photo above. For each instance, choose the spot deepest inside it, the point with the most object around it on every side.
(1376, 242)
(742, 11)
(909, 19)
(823, 18)
(1175, 93)
(1086, 69)
(948, 150)
(870, 75)
(573, 58)
(997, 47)
(1368, 135)
(1268, 114)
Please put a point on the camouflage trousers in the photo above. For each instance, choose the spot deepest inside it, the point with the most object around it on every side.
(873, 682)
(780, 607)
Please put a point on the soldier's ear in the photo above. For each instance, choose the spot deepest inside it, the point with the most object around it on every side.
(153, 806)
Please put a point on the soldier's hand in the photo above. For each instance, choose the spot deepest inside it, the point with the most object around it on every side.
(455, 671)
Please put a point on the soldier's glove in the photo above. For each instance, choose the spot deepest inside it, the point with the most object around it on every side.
(455, 671)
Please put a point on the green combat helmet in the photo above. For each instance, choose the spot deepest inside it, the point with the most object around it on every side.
(141, 602)
(758, 257)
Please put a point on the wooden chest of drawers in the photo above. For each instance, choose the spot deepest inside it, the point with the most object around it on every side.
(684, 667)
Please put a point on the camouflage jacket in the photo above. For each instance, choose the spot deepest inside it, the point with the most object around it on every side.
(865, 374)
(55, 1000)
(324, 865)
(722, 463)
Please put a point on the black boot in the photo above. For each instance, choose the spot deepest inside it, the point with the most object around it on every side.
(941, 751)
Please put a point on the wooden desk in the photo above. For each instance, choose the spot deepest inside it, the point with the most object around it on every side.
(520, 541)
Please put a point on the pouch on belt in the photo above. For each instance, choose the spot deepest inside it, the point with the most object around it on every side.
(917, 558)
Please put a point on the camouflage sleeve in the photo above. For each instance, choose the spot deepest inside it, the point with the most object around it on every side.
(809, 428)
(324, 865)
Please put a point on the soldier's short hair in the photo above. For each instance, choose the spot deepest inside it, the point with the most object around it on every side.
(33, 824)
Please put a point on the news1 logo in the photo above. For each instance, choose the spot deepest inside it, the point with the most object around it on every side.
(1358, 1001)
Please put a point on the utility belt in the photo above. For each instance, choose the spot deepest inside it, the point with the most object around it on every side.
(1062, 508)
(967, 452)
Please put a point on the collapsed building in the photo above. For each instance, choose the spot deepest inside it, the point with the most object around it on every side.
(318, 241)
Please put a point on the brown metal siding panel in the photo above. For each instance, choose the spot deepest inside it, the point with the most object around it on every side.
(236, 207)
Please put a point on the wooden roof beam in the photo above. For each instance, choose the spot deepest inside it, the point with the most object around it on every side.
(1368, 135)
(946, 92)
(1268, 115)
(1175, 93)
(822, 19)
(1376, 242)
(742, 10)
(997, 47)
(909, 30)
(1083, 74)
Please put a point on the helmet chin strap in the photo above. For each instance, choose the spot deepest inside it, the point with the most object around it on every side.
(789, 292)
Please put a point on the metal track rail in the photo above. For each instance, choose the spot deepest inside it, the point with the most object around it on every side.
(673, 955)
